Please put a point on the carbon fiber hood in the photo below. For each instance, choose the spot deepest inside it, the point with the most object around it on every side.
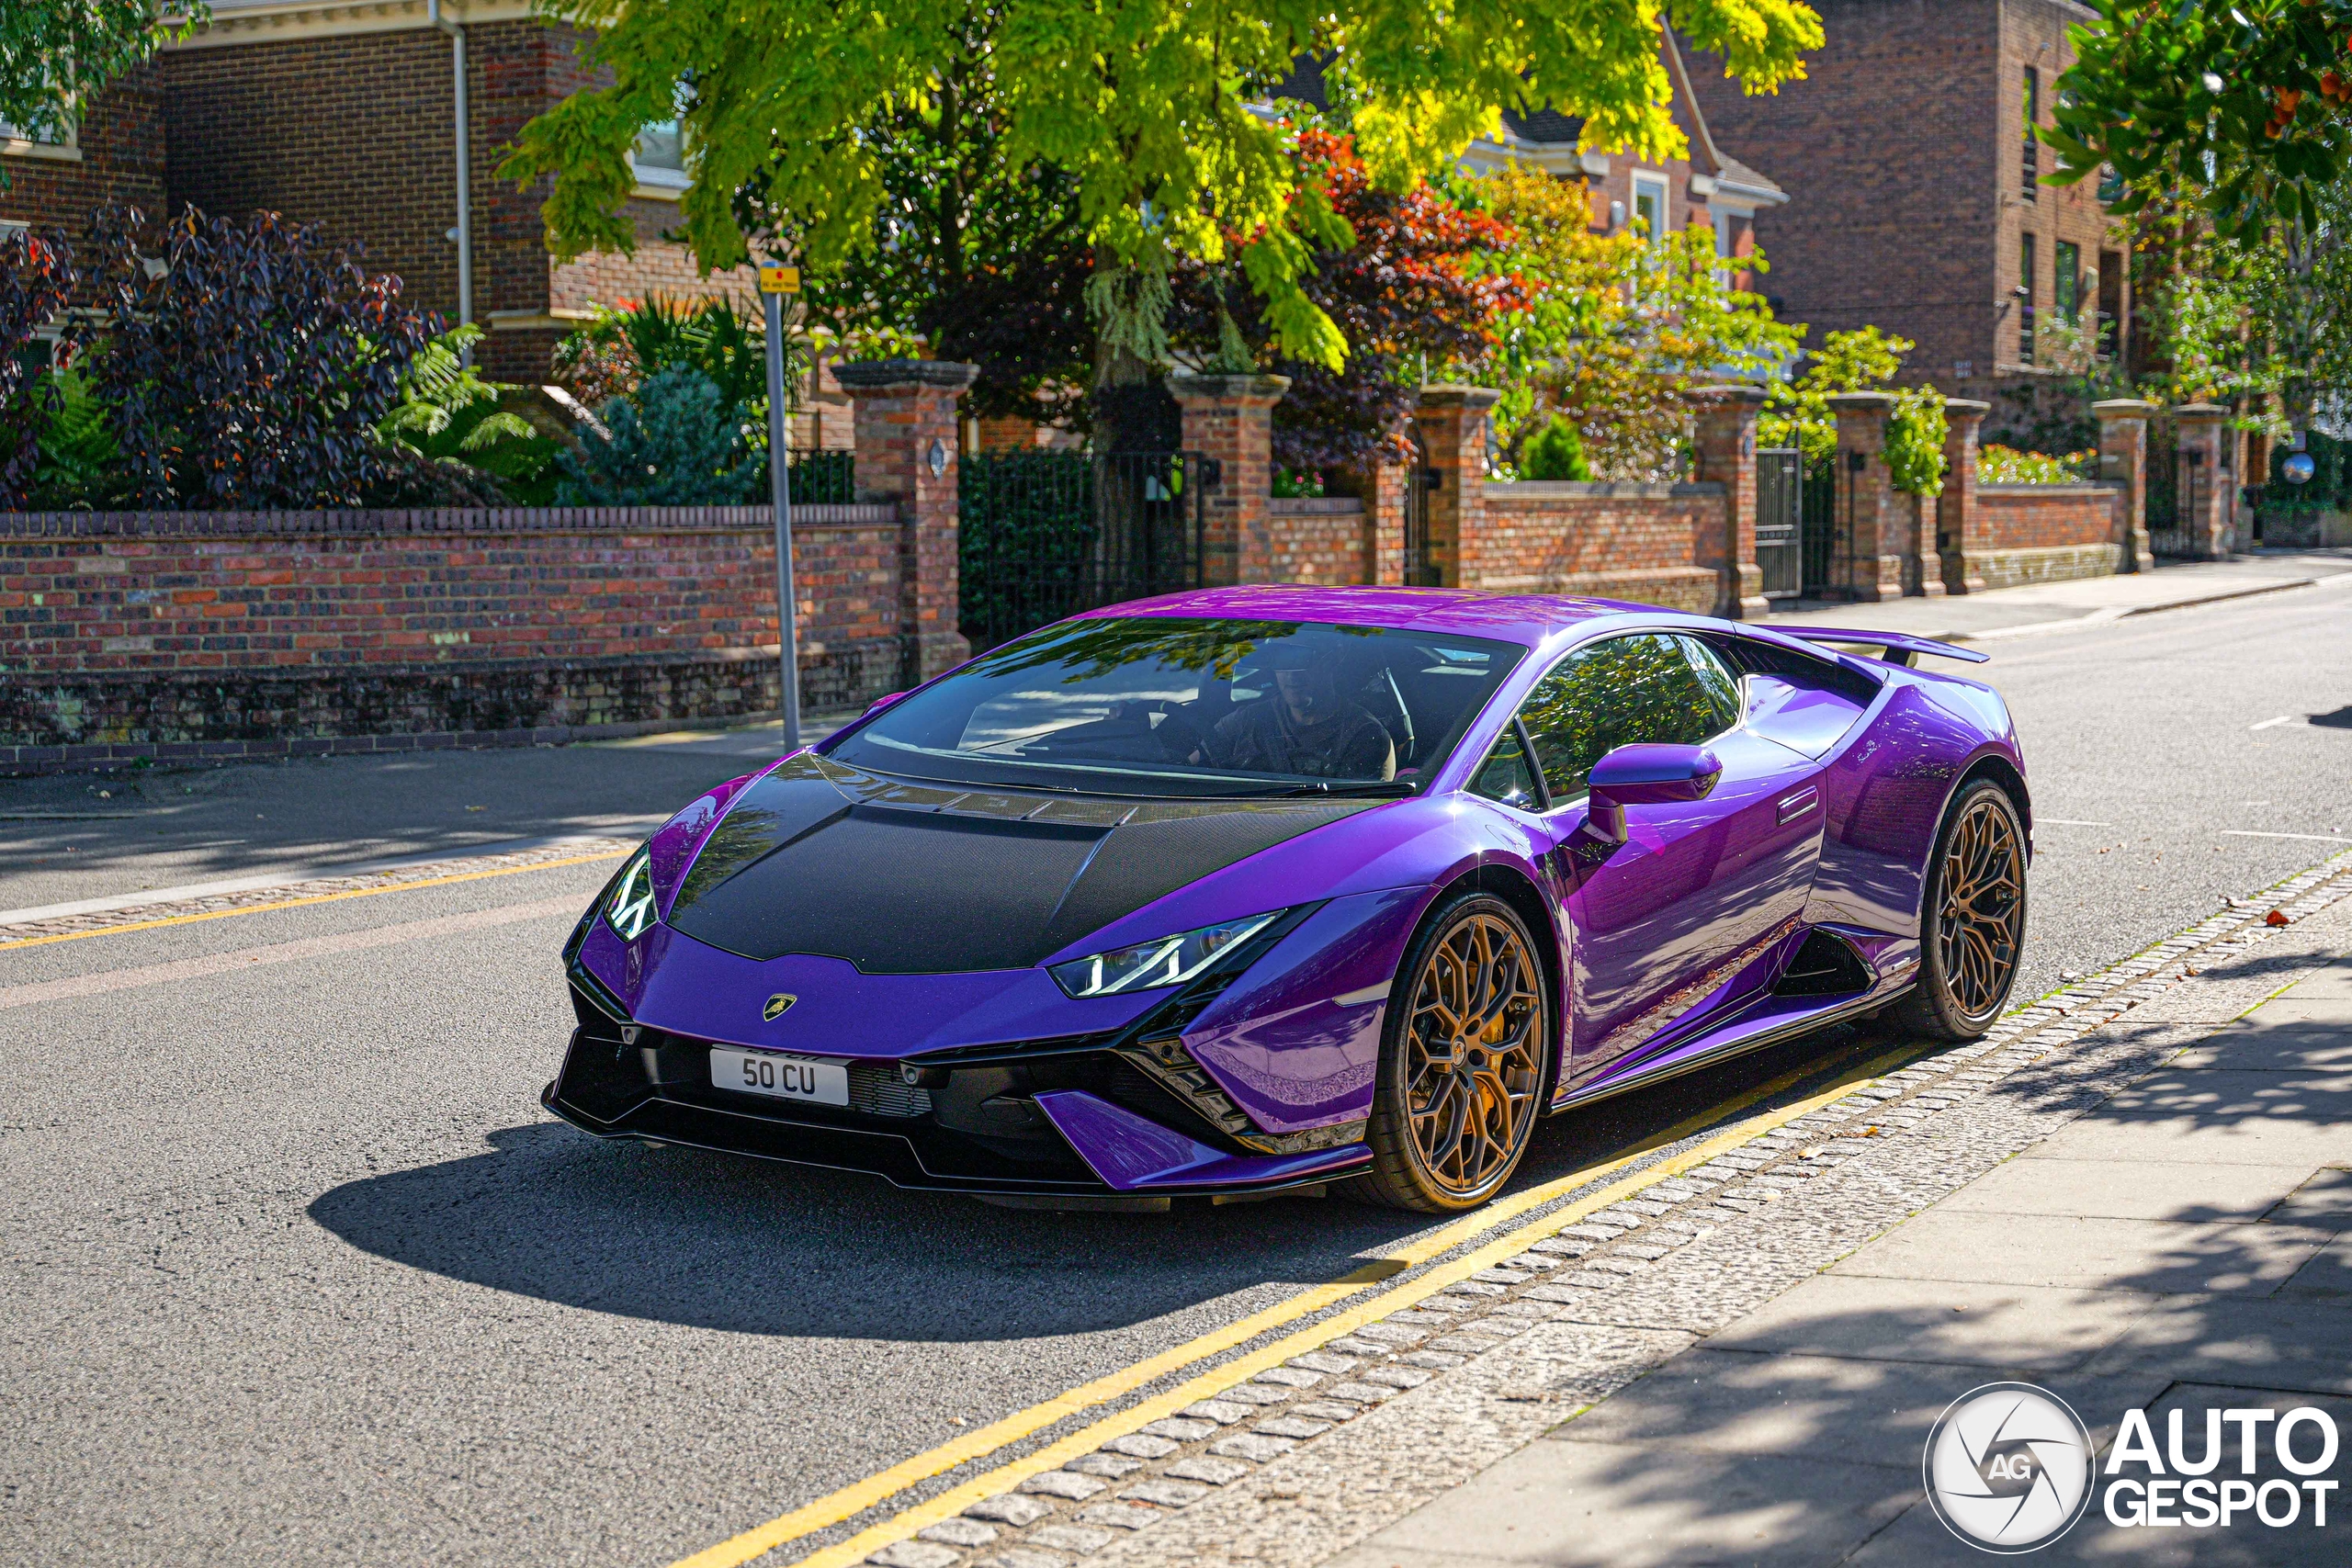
(908, 879)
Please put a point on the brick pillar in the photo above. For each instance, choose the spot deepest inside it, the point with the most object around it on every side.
(2203, 483)
(1875, 523)
(1229, 419)
(1726, 443)
(1453, 421)
(2123, 459)
(1961, 542)
(1381, 488)
(907, 449)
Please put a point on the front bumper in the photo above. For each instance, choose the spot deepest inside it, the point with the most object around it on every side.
(1074, 1119)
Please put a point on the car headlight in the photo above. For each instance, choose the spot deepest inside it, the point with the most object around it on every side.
(630, 908)
(1147, 966)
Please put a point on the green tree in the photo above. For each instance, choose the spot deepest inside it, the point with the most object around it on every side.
(2246, 102)
(55, 54)
(1864, 360)
(1143, 105)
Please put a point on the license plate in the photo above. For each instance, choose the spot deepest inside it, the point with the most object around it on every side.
(780, 1077)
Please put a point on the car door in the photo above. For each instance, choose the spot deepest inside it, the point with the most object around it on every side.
(1661, 925)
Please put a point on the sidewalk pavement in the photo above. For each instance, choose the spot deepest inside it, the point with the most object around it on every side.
(2079, 604)
(2185, 1245)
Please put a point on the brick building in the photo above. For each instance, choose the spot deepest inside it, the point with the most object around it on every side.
(345, 112)
(1924, 213)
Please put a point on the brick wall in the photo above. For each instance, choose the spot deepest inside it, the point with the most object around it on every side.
(1617, 541)
(230, 628)
(118, 156)
(2048, 533)
(1902, 150)
(1321, 541)
(355, 130)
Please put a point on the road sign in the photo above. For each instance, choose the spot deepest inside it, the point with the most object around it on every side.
(779, 280)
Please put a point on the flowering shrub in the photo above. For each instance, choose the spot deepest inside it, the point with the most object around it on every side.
(1998, 465)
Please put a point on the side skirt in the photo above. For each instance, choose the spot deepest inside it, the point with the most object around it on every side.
(1737, 1038)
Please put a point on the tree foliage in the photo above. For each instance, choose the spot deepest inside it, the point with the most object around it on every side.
(1412, 292)
(1616, 330)
(249, 364)
(55, 54)
(2246, 102)
(1142, 105)
(37, 277)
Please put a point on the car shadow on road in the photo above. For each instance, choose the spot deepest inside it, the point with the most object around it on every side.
(687, 1236)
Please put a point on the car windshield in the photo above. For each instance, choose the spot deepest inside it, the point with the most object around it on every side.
(1193, 709)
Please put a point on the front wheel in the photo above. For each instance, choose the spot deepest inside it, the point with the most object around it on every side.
(1461, 1061)
(1971, 919)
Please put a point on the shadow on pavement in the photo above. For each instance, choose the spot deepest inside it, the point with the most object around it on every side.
(710, 1240)
(2186, 1245)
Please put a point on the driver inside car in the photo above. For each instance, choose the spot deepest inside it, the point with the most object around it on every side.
(1304, 727)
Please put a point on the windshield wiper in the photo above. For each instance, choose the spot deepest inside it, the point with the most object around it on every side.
(1390, 788)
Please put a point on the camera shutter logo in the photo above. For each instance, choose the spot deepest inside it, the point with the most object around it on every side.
(2008, 1468)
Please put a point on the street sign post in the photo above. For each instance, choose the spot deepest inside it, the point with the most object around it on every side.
(776, 282)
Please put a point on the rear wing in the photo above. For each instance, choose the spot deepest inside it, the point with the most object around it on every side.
(1900, 647)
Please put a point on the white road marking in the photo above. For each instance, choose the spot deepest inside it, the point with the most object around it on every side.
(2274, 723)
(2250, 833)
(2068, 822)
(282, 952)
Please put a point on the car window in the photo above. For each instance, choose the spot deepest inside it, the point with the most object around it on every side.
(1722, 686)
(1179, 707)
(1506, 775)
(1624, 690)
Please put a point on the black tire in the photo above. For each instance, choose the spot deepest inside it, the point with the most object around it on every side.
(1972, 917)
(1453, 1108)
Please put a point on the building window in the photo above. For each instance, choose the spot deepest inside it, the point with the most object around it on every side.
(2025, 299)
(2110, 185)
(1649, 207)
(2033, 105)
(659, 158)
(2110, 302)
(58, 143)
(2068, 285)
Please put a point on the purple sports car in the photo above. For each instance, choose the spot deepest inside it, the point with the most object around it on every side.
(1254, 888)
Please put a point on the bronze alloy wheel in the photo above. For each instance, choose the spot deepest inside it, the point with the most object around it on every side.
(1462, 1070)
(1973, 925)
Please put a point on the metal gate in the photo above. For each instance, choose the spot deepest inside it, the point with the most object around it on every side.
(1043, 535)
(1817, 524)
(1422, 569)
(1780, 502)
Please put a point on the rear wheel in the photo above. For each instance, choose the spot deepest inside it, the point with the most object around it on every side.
(1971, 921)
(1461, 1061)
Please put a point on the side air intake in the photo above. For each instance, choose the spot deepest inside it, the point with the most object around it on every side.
(1824, 966)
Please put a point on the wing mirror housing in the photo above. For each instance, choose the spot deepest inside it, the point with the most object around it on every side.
(1645, 775)
(878, 704)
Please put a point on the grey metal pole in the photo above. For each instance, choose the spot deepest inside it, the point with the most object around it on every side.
(780, 489)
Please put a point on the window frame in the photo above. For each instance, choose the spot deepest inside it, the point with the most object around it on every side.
(17, 141)
(1654, 185)
(1518, 724)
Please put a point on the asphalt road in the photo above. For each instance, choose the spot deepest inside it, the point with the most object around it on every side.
(295, 1268)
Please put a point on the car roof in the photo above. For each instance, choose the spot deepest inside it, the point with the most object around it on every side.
(1531, 619)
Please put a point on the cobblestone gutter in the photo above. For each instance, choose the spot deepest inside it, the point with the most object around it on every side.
(1297, 1462)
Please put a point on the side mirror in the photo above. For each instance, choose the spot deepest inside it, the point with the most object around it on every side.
(878, 704)
(1645, 775)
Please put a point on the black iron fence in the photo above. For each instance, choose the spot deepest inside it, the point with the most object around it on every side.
(1044, 535)
(823, 478)
(1780, 496)
(1818, 522)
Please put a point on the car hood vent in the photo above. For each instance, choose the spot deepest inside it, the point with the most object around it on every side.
(908, 879)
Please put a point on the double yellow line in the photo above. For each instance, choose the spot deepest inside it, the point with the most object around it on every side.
(856, 1498)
